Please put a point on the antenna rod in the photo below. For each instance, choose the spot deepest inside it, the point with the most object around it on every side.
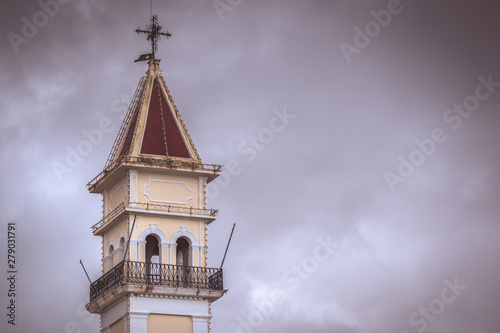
(130, 235)
(81, 263)
(227, 247)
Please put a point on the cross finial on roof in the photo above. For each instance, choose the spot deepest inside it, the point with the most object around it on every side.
(154, 34)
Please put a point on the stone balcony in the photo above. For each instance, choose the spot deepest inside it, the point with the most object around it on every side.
(162, 280)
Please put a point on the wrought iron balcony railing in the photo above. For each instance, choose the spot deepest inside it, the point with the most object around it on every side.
(166, 208)
(140, 273)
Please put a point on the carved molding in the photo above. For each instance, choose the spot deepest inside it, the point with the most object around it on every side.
(166, 192)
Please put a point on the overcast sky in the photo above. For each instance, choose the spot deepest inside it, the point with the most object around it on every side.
(363, 138)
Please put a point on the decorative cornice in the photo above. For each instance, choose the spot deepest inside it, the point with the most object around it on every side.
(168, 182)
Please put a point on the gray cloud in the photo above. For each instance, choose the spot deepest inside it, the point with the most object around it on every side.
(322, 175)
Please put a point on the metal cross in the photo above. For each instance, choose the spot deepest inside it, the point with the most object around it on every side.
(154, 34)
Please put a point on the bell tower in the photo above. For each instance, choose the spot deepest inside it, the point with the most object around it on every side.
(154, 224)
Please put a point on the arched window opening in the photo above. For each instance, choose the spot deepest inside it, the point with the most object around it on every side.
(152, 249)
(183, 257)
(153, 259)
(108, 260)
(120, 251)
(183, 260)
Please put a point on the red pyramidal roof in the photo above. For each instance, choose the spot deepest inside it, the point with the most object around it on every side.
(153, 125)
(162, 135)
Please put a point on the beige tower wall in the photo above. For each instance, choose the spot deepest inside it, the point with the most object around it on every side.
(118, 231)
(115, 196)
(159, 323)
(117, 327)
(168, 189)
